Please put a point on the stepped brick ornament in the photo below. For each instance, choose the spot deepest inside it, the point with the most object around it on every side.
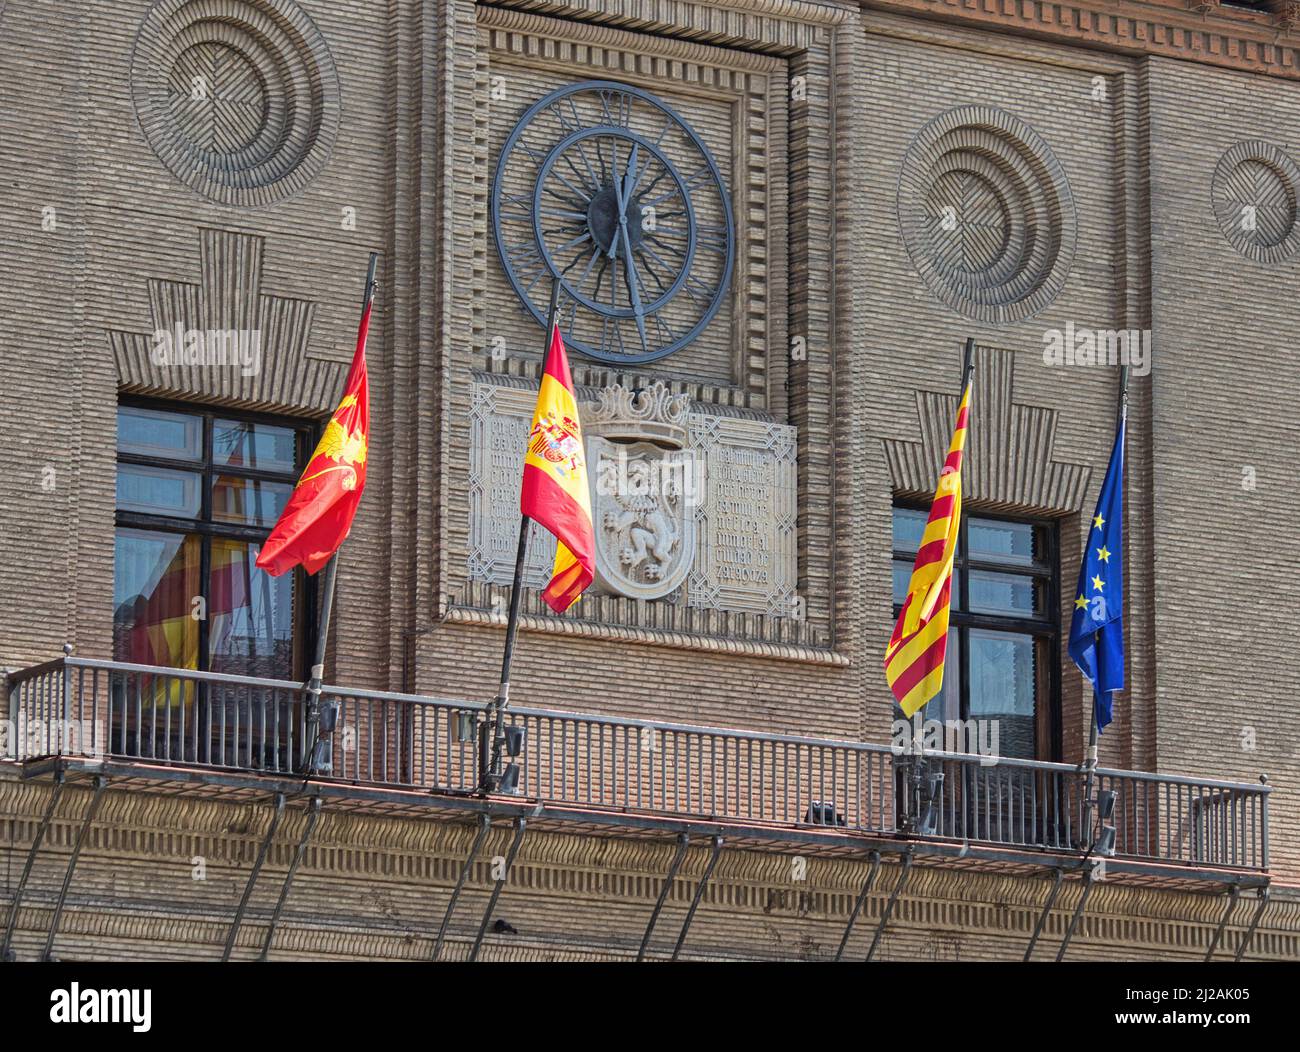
(1010, 457)
(238, 98)
(1254, 193)
(986, 214)
(227, 338)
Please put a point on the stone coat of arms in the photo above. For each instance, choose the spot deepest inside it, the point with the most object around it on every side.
(644, 489)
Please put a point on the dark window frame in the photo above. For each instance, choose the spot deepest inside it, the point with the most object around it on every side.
(1046, 568)
(307, 435)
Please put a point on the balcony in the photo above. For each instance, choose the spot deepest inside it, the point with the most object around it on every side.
(150, 722)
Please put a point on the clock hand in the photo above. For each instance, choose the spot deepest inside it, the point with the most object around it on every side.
(618, 194)
(622, 191)
(629, 265)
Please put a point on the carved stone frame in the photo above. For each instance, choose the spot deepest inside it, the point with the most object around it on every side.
(812, 42)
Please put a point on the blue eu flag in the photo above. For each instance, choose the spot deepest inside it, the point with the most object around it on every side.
(1097, 629)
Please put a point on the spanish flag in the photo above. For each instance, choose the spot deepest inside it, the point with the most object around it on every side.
(914, 657)
(319, 512)
(555, 480)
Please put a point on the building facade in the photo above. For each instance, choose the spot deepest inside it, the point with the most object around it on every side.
(775, 223)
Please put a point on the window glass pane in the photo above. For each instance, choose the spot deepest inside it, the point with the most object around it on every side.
(249, 501)
(250, 614)
(239, 443)
(158, 491)
(903, 577)
(946, 705)
(156, 433)
(1011, 542)
(1003, 593)
(1003, 686)
(155, 582)
(909, 528)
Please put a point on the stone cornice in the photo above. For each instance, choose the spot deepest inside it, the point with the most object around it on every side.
(1203, 31)
(747, 23)
(472, 615)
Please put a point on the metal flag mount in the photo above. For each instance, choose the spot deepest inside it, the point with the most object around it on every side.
(491, 733)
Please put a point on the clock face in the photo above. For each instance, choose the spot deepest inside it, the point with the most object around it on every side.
(606, 188)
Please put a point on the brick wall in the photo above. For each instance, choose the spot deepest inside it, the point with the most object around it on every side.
(1209, 573)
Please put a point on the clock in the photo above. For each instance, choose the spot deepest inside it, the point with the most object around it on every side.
(605, 188)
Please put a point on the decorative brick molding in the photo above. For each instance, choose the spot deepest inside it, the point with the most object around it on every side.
(986, 214)
(1223, 35)
(1287, 14)
(238, 98)
(572, 895)
(781, 173)
(1254, 195)
(223, 339)
(738, 103)
(1009, 455)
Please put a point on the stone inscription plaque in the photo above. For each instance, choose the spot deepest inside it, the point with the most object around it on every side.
(745, 556)
(500, 418)
(745, 524)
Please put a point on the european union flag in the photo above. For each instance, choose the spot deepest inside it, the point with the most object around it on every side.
(1097, 629)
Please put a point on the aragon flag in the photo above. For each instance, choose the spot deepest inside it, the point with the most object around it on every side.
(555, 480)
(915, 655)
(319, 513)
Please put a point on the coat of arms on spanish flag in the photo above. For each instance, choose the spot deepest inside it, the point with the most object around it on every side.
(915, 655)
(319, 512)
(555, 480)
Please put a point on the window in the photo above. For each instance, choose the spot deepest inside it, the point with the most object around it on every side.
(1004, 636)
(197, 494)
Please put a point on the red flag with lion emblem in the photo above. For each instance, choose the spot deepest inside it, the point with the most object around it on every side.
(319, 513)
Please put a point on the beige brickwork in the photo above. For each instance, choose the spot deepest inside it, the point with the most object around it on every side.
(102, 240)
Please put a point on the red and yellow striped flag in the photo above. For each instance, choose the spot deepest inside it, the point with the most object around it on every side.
(914, 657)
(555, 480)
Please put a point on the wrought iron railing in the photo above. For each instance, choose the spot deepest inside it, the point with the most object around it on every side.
(86, 707)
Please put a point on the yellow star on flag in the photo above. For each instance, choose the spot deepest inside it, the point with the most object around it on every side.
(1098, 583)
(1103, 553)
(1098, 522)
(1081, 603)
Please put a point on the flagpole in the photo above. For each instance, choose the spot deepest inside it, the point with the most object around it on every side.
(967, 366)
(491, 737)
(1121, 414)
(920, 768)
(317, 675)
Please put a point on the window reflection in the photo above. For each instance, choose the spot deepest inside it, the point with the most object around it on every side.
(243, 443)
(251, 501)
(250, 614)
(159, 434)
(187, 591)
(158, 491)
(1003, 687)
(1004, 593)
(155, 587)
(1012, 542)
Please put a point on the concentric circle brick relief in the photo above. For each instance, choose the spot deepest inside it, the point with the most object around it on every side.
(1254, 193)
(238, 98)
(986, 214)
